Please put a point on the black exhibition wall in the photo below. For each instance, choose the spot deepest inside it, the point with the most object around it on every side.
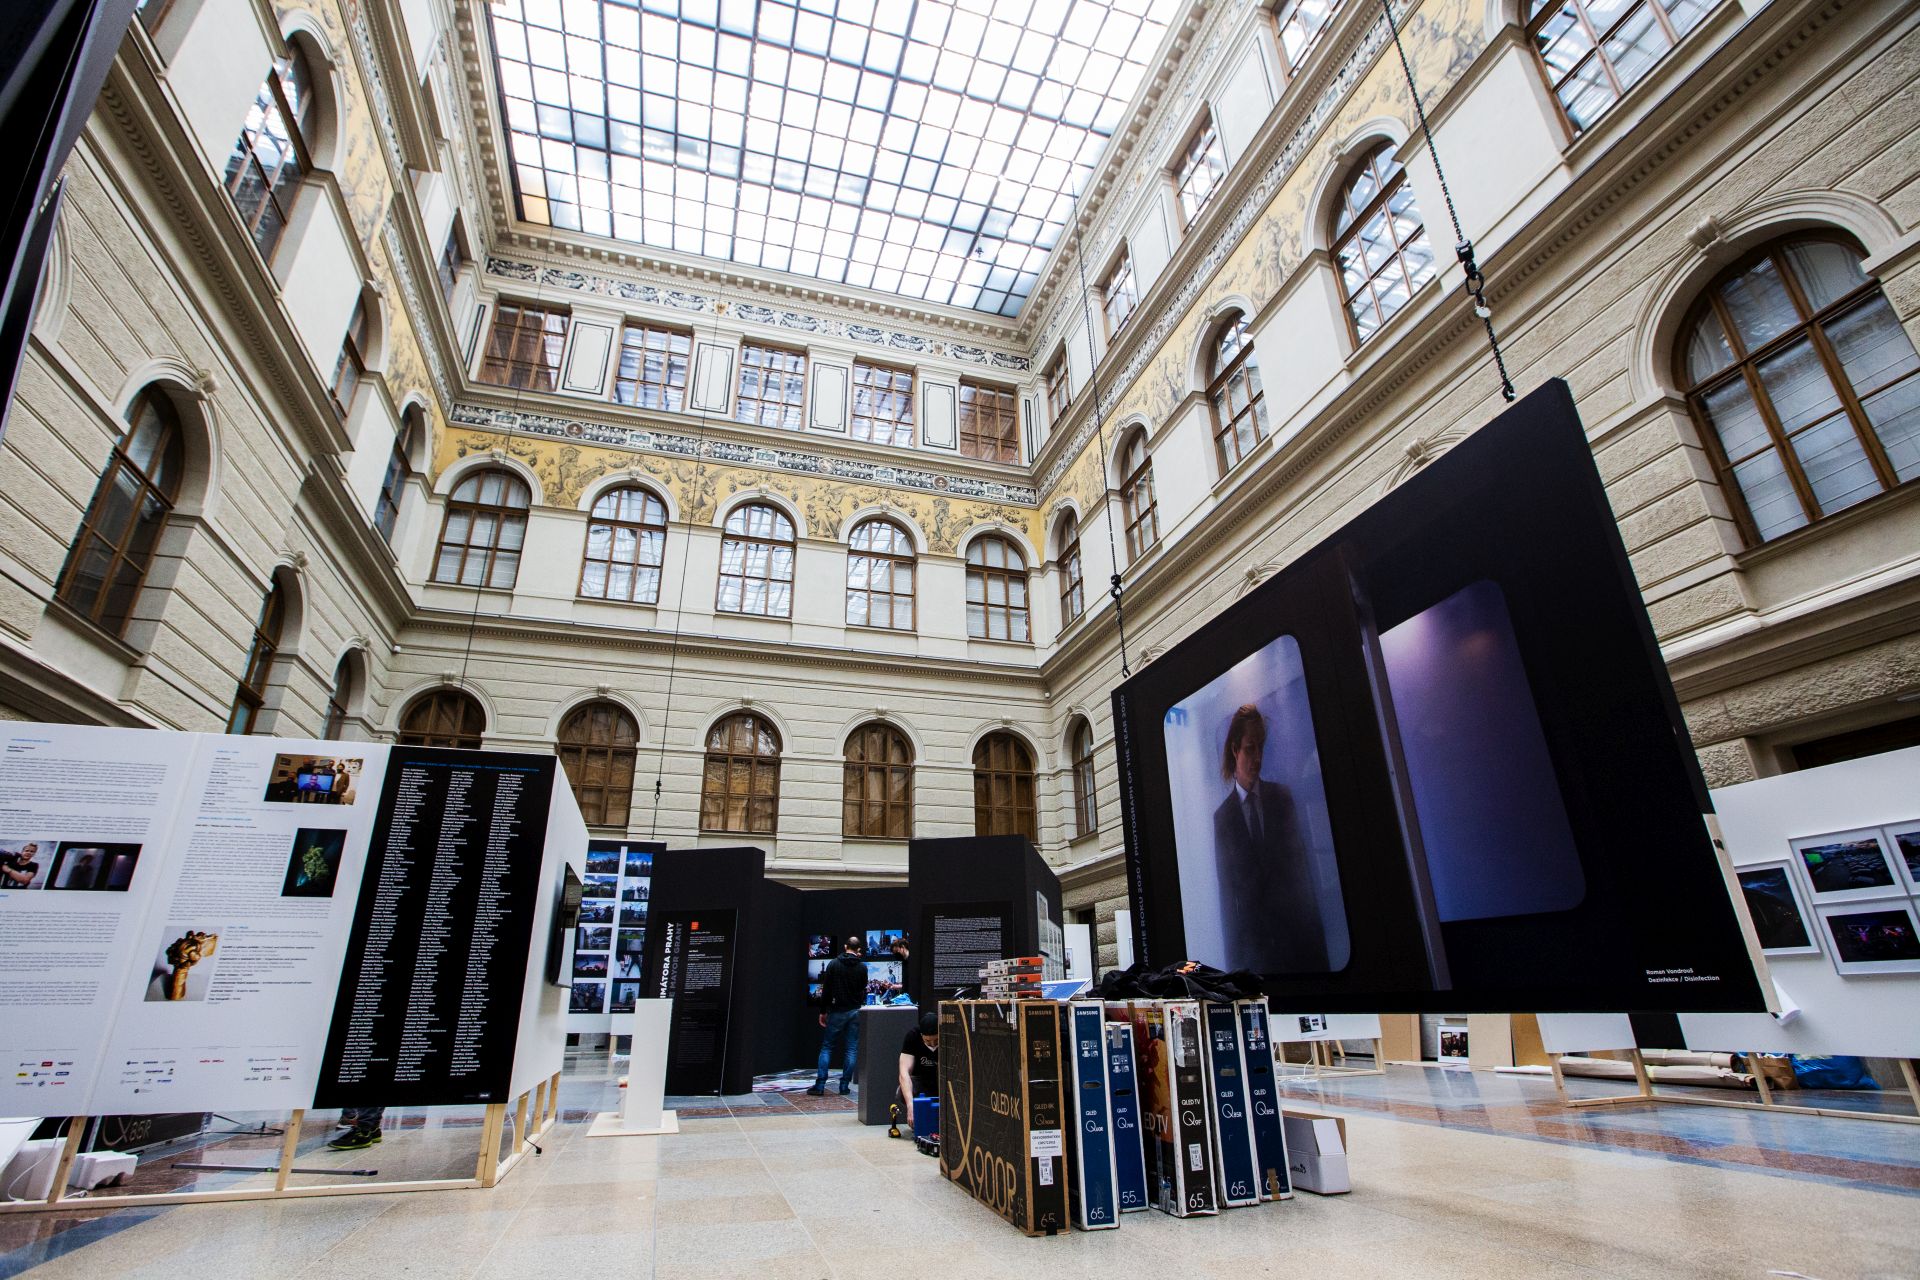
(958, 889)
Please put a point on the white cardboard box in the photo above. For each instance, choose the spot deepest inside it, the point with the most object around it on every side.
(1317, 1152)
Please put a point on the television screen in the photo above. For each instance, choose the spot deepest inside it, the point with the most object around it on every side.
(315, 781)
(1435, 763)
(566, 916)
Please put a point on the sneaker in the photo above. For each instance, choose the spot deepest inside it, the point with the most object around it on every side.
(355, 1140)
(845, 1090)
(816, 1092)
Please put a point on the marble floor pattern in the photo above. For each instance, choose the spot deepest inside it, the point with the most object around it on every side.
(1454, 1174)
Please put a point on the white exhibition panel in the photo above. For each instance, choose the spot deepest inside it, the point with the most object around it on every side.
(652, 1025)
(1585, 1032)
(1297, 1028)
(540, 1050)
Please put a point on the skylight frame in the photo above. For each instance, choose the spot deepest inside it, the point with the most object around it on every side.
(863, 143)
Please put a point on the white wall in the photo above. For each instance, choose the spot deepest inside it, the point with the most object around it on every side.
(221, 63)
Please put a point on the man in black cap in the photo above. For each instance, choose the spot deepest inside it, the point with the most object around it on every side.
(843, 989)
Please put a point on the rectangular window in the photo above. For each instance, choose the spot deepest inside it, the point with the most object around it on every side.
(1059, 388)
(1203, 164)
(773, 384)
(882, 404)
(653, 367)
(524, 348)
(989, 429)
(452, 261)
(1301, 22)
(1117, 296)
(352, 364)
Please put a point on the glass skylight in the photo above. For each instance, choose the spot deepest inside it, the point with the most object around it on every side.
(918, 147)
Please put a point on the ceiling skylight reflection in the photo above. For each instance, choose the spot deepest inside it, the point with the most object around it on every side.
(917, 147)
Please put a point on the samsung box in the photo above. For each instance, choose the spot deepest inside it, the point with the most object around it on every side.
(1317, 1150)
(1263, 1101)
(1096, 1190)
(1171, 1066)
(1003, 1104)
(1129, 1158)
(1235, 1171)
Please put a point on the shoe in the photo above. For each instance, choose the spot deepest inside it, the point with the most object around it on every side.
(816, 1092)
(845, 1090)
(355, 1140)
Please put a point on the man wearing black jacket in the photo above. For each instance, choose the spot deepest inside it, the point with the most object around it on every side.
(843, 989)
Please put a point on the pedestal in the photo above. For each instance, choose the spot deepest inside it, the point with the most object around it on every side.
(642, 1112)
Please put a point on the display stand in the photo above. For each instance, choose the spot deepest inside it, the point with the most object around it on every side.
(1327, 1059)
(642, 1113)
(1644, 1091)
(535, 1113)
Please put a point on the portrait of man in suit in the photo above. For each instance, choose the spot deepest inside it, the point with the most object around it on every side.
(1270, 914)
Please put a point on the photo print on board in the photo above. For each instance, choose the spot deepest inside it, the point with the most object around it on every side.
(89, 866)
(313, 780)
(1873, 937)
(1780, 917)
(183, 963)
(314, 864)
(1904, 839)
(1847, 865)
(26, 863)
(587, 997)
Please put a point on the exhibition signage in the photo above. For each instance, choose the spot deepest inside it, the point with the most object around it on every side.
(202, 922)
(1435, 763)
(610, 942)
(696, 973)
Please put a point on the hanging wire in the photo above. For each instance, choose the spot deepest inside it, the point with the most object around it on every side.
(1115, 585)
(1476, 284)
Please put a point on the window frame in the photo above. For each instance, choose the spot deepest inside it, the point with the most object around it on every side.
(162, 491)
(1202, 145)
(453, 261)
(672, 395)
(1347, 232)
(1073, 587)
(338, 695)
(967, 420)
(1133, 482)
(1059, 383)
(641, 529)
(991, 818)
(350, 368)
(465, 731)
(781, 414)
(616, 760)
(504, 514)
(270, 100)
(1119, 285)
(1220, 384)
(1284, 17)
(894, 560)
(1745, 367)
(753, 763)
(499, 368)
(987, 574)
(393, 484)
(770, 578)
(1086, 811)
(898, 429)
(1532, 25)
(250, 692)
(860, 771)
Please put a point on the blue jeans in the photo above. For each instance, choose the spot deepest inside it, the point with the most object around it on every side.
(843, 1024)
(363, 1117)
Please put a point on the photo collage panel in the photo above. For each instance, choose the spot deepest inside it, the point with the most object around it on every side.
(612, 936)
(1854, 895)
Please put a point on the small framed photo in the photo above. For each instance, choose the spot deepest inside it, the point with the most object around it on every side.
(1904, 839)
(1873, 937)
(1780, 915)
(1844, 865)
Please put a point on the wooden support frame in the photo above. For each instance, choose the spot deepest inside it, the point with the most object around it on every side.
(1321, 1061)
(1644, 1092)
(535, 1112)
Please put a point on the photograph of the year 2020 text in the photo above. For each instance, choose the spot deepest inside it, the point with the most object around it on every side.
(1259, 884)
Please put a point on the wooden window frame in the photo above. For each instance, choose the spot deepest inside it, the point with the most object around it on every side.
(1001, 446)
(504, 515)
(1202, 144)
(715, 809)
(393, 485)
(1347, 234)
(670, 394)
(894, 560)
(1745, 366)
(758, 409)
(250, 694)
(646, 531)
(1073, 586)
(1137, 499)
(350, 369)
(1008, 808)
(137, 542)
(1219, 397)
(272, 103)
(771, 578)
(1086, 812)
(524, 350)
(443, 717)
(863, 814)
(338, 695)
(1596, 51)
(986, 575)
(874, 427)
(601, 761)
(453, 260)
(1119, 293)
(1059, 382)
(1285, 16)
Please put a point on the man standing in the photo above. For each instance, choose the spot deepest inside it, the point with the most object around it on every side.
(1270, 912)
(843, 989)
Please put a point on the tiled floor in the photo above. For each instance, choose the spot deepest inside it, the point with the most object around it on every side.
(1454, 1174)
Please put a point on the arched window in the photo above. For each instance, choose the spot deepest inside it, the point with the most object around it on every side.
(1593, 51)
(877, 793)
(1803, 384)
(351, 365)
(338, 699)
(444, 717)
(271, 154)
(1379, 243)
(393, 485)
(1086, 818)
(880, 575)
(626, 545)
(756, 562)
(1136, 496)
(1239, 407)
(485, 527)
(1003, 788)
(598, 744)
(740, 788)
(1073, 590)
(114, 549)
(251, 694)
(996, 590)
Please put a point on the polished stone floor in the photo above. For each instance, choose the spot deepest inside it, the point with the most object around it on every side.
(1455, 1173)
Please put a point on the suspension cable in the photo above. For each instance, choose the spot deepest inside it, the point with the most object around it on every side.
(1115, 586)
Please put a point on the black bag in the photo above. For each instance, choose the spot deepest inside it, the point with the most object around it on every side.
(1189, 980)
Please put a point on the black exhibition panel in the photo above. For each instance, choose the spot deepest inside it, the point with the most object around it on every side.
(1435, 764)
(972, 898)
(833, 914)
(882, 1029)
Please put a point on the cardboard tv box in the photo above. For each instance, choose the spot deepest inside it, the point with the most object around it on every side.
(1170, 1076)
(1003, 1108)
(1317, 1152)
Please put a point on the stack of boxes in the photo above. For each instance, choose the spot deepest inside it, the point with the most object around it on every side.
(1079, 1111)
(1015, 979)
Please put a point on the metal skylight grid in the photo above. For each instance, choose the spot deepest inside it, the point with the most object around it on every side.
(927, 148)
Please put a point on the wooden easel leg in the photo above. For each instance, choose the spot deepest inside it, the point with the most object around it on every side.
(1760, 1080)
(487, 1170)
(1641, 1076)
(1913, 1082)
(1559, 1079)
(76, 1128)
(287, 1144)
(520, 1132)
(553, 1098)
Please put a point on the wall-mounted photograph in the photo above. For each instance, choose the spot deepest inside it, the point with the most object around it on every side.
(1780, 916)
(26, 864)
(1873, 937)
(1846, 865)
(314, 864)
(313, 780)
(1904, 839)
(100, 868)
